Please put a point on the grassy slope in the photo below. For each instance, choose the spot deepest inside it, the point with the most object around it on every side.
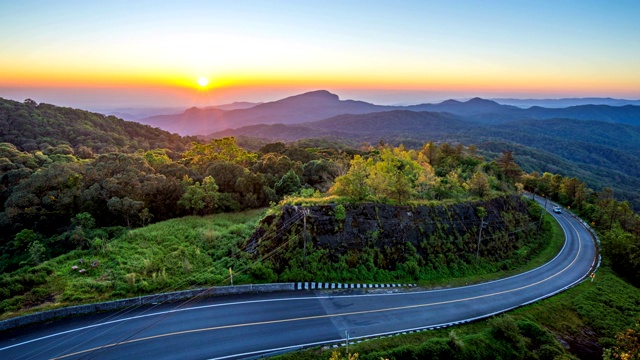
(167, 256)
(175, 255)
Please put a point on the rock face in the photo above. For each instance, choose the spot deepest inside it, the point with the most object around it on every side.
(434, 231)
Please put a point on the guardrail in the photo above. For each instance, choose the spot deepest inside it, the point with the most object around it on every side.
(141, 300)
(182, 295)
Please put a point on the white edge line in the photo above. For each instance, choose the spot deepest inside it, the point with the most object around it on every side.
(430, 327)
(303, 298)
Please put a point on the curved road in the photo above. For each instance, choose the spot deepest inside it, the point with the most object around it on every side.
(235, 327)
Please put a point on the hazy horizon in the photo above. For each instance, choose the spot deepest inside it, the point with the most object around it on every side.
(147, 54)
(121, 100)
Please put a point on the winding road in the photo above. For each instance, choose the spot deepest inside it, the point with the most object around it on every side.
(247, 326)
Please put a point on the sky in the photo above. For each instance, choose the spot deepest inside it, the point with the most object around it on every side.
(118, 54)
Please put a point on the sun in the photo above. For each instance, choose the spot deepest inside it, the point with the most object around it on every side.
(203, 81)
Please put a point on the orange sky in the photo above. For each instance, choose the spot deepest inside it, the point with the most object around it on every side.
(152, 54)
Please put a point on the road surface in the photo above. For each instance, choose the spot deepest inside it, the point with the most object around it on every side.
(246, 326)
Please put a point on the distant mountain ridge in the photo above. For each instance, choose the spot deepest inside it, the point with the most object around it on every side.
(565, 102)
(315, 105)
(603, 153)
(236, 105)
(321, 104)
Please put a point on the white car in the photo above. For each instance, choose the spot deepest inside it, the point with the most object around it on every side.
(557, 210)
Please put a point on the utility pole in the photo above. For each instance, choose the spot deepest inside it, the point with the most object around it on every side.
(540, 221)
(479, 237)
(304, 239)
(541, 213)
(482, 213)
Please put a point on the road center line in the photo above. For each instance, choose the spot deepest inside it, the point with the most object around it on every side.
(327, 316)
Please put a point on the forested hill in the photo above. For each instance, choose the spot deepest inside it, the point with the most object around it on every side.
(602, 153)
(49, 128)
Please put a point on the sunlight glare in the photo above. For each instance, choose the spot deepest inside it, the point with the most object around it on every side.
(203, 81)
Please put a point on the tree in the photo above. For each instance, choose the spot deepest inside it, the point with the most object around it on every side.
(620, 245)
(125, 208)
(30, 103)
(37, 252)
(245, 189)
(277, 147)
(511, 170)
(157, 158)
(84, 220)
(225, 149)
(201, 198)
(145, 217)
(320, 173)
(430, 151)
(288, 184)
(393, 175)
(273, 166)
(479, 184)
(627, 345)
(24, 238)
(354, 183)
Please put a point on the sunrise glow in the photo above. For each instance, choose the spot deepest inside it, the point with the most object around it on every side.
(203, 82)
(414, 51)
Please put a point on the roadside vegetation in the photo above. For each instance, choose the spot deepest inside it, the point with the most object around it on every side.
(575, 324)
(168, 256)
(593, 320)
(184, 253)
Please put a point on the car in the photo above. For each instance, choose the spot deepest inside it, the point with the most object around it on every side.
(557, 210)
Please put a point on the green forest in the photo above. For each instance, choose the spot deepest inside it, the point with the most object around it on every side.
(94, 208)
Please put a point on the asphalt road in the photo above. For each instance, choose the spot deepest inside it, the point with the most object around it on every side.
(235, 327)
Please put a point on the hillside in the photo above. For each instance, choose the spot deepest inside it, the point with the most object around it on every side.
(318, 105)
(30, 126)
(302, 108)
(364, 127)
(601, 153)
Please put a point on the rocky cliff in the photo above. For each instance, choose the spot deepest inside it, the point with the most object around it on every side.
(439, 235)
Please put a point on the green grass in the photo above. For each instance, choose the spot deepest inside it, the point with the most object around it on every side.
(590, 312)
(172, 255)
(179, 254)
(502, 337)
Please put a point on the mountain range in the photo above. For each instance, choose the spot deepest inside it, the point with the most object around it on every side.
(566, 102)
(599, 144)
(319, 105)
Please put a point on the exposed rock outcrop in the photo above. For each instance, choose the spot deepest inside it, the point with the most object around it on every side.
(449, 231)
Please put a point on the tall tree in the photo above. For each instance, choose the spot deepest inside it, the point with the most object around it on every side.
(354, 183)
(202, 198)
(511, 170)
(479, 184)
